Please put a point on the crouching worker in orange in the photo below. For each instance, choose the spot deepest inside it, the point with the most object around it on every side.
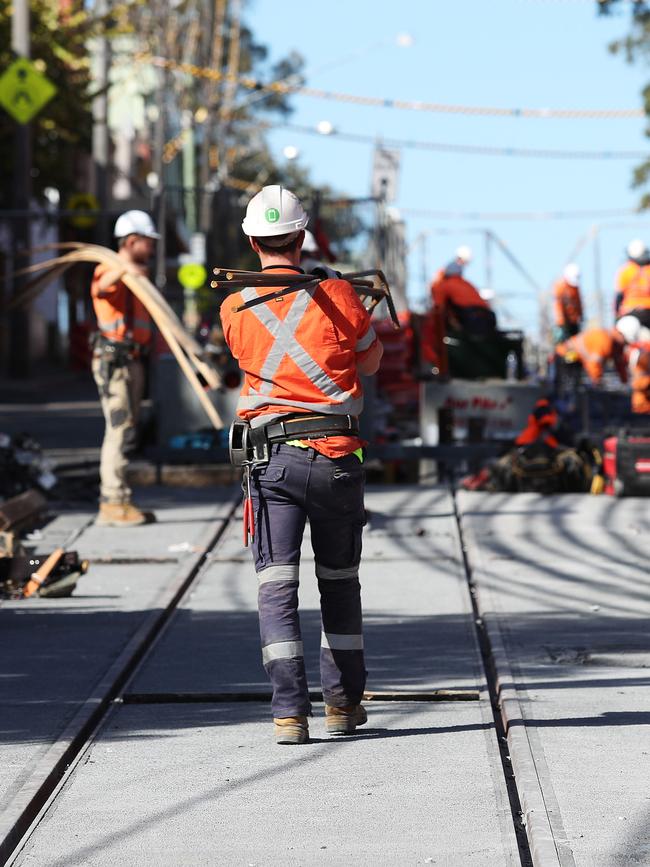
(539, 425)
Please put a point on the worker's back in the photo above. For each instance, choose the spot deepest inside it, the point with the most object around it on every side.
(634, 286)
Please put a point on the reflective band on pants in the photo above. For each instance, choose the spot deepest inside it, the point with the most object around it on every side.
(299, 484)
(282, 650)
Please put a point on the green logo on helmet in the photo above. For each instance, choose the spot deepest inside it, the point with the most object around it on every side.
(272, 215)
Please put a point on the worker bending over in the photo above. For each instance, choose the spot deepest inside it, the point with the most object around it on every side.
(567, 304)
(592, 349)
(121, 347)
(302, 356)
(633, 279)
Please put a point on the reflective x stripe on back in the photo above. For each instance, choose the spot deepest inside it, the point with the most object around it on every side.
(285, 343)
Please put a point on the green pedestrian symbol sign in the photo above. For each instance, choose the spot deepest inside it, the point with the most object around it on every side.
(272, 215)
(24, 90)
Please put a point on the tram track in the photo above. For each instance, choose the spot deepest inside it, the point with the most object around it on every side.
(49, 774)
(44, 776)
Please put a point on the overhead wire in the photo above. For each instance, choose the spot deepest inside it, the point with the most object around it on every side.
(283, 87)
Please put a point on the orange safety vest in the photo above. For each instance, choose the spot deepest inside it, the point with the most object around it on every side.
(539, 424)
(120, 315)
(593, 347)
(299, 354)
(567, 304)
(640, 378)
(634, 284)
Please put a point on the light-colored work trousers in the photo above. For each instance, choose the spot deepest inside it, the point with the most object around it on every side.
(120, 392)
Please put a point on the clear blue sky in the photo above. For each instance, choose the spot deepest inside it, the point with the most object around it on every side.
(506, 53)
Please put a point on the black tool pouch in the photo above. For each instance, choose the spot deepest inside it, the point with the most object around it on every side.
(239, 445)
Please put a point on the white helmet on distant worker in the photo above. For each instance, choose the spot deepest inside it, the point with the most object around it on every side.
(464, 253)
(632, 330)
(135, 223)
(274, 211)
(309, 245)
(637, 249)
(571, 274)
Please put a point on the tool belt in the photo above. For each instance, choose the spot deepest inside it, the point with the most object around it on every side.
(252, 445)
(118, 353)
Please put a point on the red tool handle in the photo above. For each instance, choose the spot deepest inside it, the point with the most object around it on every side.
(249, 521)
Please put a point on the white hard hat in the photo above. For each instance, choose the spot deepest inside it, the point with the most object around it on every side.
(309, 245)
(571, 274)
(274, 211)
(135, 223)
(464, 253)
(630, 328)
(637, 249)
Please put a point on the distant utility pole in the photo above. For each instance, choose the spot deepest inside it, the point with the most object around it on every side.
(19, 337)
(100, 144)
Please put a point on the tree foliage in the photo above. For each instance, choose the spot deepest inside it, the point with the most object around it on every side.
(635, 47)
(63, 127)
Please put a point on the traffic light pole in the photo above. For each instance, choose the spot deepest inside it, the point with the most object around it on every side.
(18, 363)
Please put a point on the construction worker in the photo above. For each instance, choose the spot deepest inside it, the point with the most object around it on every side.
(632, 278)
(567, 304)
(456, 306)
(458, 302)
(539, 425)
(592, 349)
(120, 347)
(636, 333)
(302, 355)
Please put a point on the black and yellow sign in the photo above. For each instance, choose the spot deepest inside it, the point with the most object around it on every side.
(83, 202)
(24, 90)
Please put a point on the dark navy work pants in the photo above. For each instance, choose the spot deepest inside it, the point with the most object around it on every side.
(299, 484)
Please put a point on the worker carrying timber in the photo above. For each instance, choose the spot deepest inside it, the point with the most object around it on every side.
(302, 355)
(567, 304)
(120, 349)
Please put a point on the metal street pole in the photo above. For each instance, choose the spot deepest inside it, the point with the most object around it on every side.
(100, 144)
(18, 365)
(160, 203)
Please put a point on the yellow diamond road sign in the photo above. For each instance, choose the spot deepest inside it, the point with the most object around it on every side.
(24, 91)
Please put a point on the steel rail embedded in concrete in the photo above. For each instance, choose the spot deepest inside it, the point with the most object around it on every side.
(35, 781)
(564, 590)
(196, 784)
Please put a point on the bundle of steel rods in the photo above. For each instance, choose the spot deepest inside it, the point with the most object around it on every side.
(371, 286)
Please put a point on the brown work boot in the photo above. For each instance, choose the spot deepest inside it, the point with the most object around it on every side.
(119, 515)
(344, 720)
(291, 730)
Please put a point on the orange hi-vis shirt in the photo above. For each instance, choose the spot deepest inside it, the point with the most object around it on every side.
(633, 282)
(567, 304)
(455, 290)
(120, 315)
(299, 354)
(593, 348)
